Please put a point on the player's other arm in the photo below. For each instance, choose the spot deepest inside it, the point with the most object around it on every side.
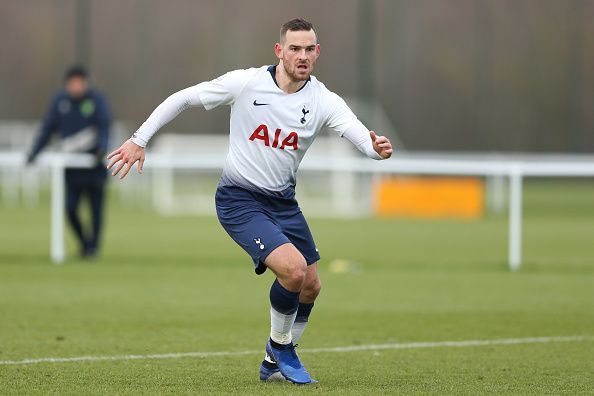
(342, 120)
(368, 142)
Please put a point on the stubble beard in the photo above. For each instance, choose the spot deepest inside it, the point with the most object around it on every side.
(292, 72)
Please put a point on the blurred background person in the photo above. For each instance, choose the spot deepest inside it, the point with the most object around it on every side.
(81, 117)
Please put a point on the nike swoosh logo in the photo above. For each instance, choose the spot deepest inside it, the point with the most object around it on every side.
(260, 104)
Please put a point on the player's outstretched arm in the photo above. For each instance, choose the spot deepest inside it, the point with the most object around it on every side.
(132, 150)
(381, 145)
(368, 142)
(342, 120)
(125, 157)
(221, 91)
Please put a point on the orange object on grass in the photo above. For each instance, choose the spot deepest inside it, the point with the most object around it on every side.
(430, 197)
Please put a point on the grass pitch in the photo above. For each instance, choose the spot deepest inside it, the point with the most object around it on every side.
(175, 285)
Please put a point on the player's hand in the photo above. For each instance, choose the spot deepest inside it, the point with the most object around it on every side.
(125, 157)
(381, 145)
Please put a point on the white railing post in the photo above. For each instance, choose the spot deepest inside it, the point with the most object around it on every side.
(163, 190)
(515, 217)
(10, 185)
(57, 216)
(496, 193)
(343, 183)
(30, 186)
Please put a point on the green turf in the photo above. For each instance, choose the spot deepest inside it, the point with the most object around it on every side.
(180, 285)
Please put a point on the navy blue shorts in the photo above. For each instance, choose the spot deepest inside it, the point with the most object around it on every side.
(260, 223)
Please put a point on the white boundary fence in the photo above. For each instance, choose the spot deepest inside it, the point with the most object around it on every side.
(514, 169)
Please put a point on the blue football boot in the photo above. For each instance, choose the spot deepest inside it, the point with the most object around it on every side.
(269, 372)
(288, 363)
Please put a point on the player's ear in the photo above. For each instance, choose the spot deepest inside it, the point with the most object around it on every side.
(278, 50)
(317, 50)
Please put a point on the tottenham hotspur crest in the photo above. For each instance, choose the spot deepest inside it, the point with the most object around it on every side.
(259, 243)
(305, 112)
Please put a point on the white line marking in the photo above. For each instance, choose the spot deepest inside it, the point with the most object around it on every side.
(353, 348)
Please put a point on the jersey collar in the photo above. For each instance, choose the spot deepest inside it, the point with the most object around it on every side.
(272, 71)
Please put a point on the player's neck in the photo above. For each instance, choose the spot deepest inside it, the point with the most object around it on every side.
(285, 83)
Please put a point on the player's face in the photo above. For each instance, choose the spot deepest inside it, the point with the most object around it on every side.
(76, 87)
(298, 54)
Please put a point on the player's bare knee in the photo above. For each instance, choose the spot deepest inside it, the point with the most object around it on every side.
(316, 288)
(296, 274)
(311, 290)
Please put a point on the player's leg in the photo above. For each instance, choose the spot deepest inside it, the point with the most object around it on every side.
(246, 217)
(294, 226)
(310, 291)
(97, 198)
(73, 193)
(290, 268)
(297, 230)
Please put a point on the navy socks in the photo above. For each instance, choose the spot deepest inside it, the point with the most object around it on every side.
(283, 300)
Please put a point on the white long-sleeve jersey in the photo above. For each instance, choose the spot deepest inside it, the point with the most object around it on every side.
(270, 130)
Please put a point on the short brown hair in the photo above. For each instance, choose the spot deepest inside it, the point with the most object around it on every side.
(295, 25)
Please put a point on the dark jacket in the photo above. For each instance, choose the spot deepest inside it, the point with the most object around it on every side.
(83, 124)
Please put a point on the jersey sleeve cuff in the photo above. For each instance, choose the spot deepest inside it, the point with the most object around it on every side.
(138, 140)
(376, 156)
